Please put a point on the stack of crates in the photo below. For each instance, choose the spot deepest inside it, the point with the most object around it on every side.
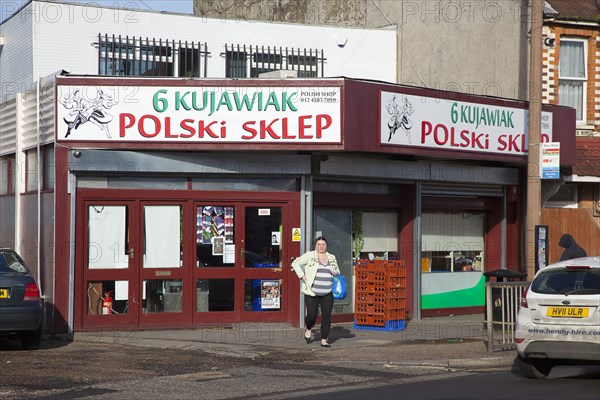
(380, 295)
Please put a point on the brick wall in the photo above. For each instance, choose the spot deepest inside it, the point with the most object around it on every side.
(550, 58)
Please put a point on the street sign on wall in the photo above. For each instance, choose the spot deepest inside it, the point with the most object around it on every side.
(550, 160)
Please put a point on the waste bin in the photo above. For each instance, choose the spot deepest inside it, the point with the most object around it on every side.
(500, 295)
(504, 275)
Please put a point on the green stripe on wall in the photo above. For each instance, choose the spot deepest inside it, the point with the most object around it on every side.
(473, 296)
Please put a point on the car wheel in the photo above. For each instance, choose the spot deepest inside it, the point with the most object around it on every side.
(533, 369)
(31, 340)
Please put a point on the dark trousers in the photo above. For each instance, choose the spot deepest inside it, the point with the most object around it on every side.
(312, 311)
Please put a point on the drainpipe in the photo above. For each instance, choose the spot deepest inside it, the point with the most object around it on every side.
(39, 192)
(18, 170)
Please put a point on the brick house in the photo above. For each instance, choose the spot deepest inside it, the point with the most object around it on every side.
(571, 77)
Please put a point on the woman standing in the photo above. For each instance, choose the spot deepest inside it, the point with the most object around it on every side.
(316, 269)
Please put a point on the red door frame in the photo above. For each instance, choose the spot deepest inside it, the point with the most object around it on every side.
(289, 201)
(83, 274)
(149, 320)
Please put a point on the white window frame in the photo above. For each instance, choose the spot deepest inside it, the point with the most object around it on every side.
(583, 80)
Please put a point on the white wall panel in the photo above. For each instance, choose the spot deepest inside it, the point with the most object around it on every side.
(16, 62)
(8, 127)
(47, 112)
(28, 120)
(65, 35)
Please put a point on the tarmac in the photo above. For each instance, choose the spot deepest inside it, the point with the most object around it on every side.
(458, 342)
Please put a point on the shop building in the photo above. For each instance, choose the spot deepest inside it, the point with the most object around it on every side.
(188, 201)
(183, 200)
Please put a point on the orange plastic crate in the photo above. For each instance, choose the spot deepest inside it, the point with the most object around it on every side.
(370, 287)
(371, 276)
(368, 319)
(391, 303)
(370, 298)
(395, 313)
(366, 308)
(395, 282)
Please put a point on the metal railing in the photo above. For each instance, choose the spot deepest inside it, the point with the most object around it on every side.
(250, 61)
(138, 56)
(502, 305)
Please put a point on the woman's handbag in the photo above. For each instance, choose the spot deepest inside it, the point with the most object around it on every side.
(339, 287)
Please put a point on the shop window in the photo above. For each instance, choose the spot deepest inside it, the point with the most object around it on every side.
(163, 237)
(566, 197)
(573, 76)
(215, 236)
(263, 234)
(108, 233)
(215, 295)
(379, 232)
(336, 226)
(452, 242)
(7, 174)
(107, 297)
(262, 295)
(160, 296)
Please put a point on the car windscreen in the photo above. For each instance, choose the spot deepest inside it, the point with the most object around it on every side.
(11, 263)
(568, 281)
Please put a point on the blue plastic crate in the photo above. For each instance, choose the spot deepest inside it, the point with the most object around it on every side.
(390, 326)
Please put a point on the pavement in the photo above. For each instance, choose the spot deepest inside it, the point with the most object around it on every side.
(458, 342)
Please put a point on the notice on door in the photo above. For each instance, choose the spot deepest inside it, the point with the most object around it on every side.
(270, 294)
(296, 234)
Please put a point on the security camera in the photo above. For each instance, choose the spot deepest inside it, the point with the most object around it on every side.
(549, 42)
(76, 153)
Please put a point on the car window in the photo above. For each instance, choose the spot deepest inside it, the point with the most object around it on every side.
(563, 281)
(10, 262)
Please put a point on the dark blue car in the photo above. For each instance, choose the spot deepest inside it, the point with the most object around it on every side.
(20, 301)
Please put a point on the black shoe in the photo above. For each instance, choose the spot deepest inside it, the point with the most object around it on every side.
(309, 339)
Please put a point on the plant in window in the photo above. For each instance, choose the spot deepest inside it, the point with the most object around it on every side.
(357, 233)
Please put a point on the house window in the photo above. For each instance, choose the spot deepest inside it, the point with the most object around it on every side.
(251, 61)
(136, 56)
(573, 76)
(48, 167)
(566, 197)
(235, 64)
(7, 174)
(32, 180)
(45, 169)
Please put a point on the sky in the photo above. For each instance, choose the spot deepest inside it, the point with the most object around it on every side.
(8, 7)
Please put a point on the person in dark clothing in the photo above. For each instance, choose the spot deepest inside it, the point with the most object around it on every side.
(572, 249)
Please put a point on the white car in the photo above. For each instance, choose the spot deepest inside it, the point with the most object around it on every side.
(559, 318)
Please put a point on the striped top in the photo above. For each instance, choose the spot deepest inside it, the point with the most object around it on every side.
(323, 283)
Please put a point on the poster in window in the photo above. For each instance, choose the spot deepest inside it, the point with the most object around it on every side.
(218, 245)
(214, 221)
(270, 294)
(541, 247)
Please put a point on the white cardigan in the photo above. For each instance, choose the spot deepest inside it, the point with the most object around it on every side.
(307, 264)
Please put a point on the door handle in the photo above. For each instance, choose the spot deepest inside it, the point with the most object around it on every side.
(131, 253)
